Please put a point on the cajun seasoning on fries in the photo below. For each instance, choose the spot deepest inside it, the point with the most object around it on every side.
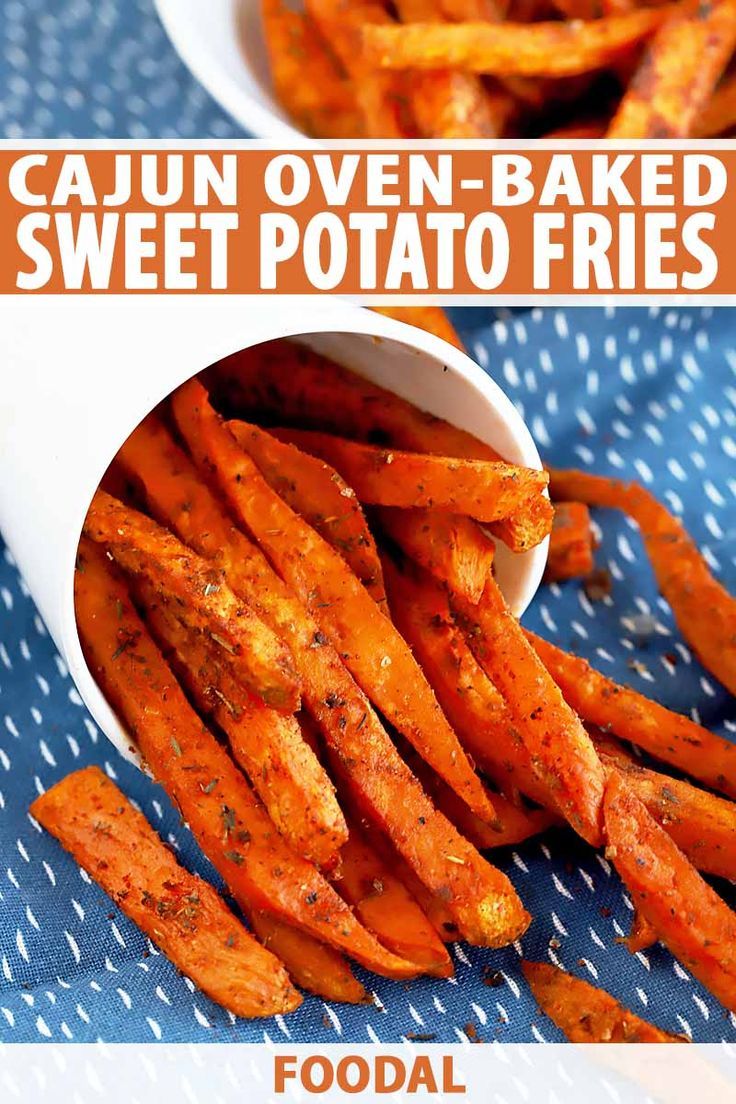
(287, 592)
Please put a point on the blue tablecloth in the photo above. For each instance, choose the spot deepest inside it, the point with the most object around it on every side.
(98, 69)
(645, 394)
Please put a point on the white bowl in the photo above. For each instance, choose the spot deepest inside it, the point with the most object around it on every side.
(81, 377)
(222, 43)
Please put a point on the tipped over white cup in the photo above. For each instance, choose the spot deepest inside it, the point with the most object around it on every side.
(80, 374)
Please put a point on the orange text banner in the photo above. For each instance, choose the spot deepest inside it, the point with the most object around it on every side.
(448, 222)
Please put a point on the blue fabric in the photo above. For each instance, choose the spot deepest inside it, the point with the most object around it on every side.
(98, 69)
(647, 394)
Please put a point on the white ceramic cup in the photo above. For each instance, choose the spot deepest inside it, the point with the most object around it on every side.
(79, 376)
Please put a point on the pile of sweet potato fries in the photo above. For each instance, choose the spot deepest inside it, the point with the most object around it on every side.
(463, 69)
(300, 628)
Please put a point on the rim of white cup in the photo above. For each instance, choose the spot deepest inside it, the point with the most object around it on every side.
(207, 37)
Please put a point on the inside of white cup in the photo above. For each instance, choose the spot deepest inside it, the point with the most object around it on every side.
(252, 43)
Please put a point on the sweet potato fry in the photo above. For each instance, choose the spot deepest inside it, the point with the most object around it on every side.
(431, 904)
(169, 487)
(231, 827)
(384, 98)
(482, 900)
(432, 901)
(668, 736)
(688, 916)
(311, 965)
(570, 544)
(585, 1013)
(367, 881)
(432, 319)
(513, 824)
(372, 649)
(526, 529)
(452, 105)
(201, 598)
(540, 49)
(421, 611)
(487, 490)
(607, 744)
(450, 546)
(641, 936)
(178, 497)
(561, 751)
(380, 900)
(524, 90)
(702, 825)
(182, 914)
(704, 610)
(676, 77)
(449, 104)
(282, 769)
(324, 106)
(296, 386)
(315, 490)
(384, 906)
